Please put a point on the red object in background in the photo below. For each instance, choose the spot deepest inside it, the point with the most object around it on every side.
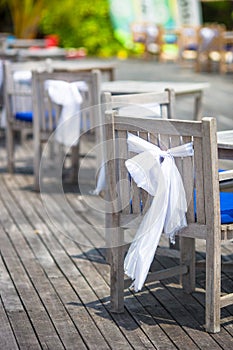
(51, 40)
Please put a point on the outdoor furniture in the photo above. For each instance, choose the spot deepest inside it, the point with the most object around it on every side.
(107, 68)
(13, 43)
(210, 47)
(21, 110)
(78, 95)
(142, 202)
(225, 144)
(188, 44)
(161, 103)
(17, 90)
(226, 63)
(17, 115)
(195, 90)
(225, 151)
(41, 54)
(150, 36)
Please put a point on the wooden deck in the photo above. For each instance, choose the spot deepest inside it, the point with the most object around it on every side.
(54, 291)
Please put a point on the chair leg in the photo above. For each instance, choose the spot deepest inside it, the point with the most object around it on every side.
(187, 257)
(117, 272)
(213, 284)
(37, 159)
(10, 149)
(75, 160)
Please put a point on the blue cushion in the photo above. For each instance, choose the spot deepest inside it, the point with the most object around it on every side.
(28, 116)
(24, 116)
(226, 206)
(191, 47)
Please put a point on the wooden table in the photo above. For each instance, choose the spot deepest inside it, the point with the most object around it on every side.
(225, 144)
(181, 89)
(107, 67)
(41, 53)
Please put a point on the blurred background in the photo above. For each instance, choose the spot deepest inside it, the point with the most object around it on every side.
(107, 28)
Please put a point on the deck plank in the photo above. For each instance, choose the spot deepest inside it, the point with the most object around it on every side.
(137, 338)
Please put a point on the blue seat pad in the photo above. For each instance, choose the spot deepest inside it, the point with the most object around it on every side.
(27, 116)
(226, 207)
(24, 116)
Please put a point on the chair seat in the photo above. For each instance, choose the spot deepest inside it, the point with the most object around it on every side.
(27, 116)
(226, 207)
(24, 116)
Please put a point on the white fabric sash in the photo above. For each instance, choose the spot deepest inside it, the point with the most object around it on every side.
(155, 171)
(68, 95)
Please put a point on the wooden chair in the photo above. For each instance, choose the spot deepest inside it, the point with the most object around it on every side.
(129, 203)
(226, 62)
(17, 104)
(210, 47)
(46, 115)
(188, 44)
(149, 35)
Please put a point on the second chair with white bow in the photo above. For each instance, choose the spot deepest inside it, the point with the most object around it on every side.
(64, 104)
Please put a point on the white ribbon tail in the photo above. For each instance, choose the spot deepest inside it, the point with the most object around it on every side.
(155, 171)
(68, 96)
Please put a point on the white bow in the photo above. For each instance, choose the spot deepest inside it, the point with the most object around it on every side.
(66, 94)
(155, 171)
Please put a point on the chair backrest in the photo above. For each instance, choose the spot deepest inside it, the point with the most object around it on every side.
(150, 35)
(188, 42)
(210, 37)
(156, 104)
(17, 92)
(47, 112)
(188, 37)
(199, 172)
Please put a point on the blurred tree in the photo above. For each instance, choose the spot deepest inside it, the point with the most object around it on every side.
(82, 24)
(77, 23)
(25, 16)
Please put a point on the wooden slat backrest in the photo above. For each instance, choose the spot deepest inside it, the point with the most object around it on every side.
(165, 99)
(17, 93)
(43, 104)
(208, 42)
(17, 87)
(199, 172)
(47, 114)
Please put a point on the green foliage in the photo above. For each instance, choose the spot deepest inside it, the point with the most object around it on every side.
(82, 24)
(25, 16)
